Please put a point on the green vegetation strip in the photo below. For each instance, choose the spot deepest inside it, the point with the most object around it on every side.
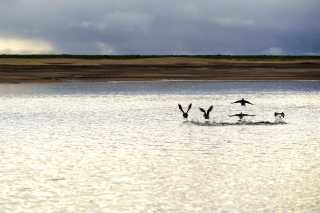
(128, 57)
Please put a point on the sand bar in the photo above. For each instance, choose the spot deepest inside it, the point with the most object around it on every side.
(176, 68)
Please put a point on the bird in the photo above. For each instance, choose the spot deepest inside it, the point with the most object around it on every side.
(243, 102)
(241, 115)
(206, 114)
(278, 113)
(185, 114)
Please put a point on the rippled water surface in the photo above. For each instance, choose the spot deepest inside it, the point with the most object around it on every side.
(125, 147)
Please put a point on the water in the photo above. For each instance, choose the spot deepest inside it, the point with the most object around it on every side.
(124, 147)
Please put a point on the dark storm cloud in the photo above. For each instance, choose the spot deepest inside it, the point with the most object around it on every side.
(160, 27)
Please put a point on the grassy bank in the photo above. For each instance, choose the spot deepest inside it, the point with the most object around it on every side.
(128, 57)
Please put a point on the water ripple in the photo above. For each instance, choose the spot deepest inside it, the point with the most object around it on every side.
(124, 147)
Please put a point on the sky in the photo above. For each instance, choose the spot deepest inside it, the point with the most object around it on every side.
(160, 27)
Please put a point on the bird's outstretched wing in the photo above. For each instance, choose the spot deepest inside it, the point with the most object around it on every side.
(247, 102)
(209, 110)
(250, 115)
(202, 110)
(232, 115)
(236, 102)
(189, 107)
(180, 107)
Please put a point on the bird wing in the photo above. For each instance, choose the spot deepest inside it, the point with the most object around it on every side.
(209, 110)
(189, 107)
(202, 110)
(180, 107)
(278, 113)
(248, 102)
(236, 102)
(232, 115)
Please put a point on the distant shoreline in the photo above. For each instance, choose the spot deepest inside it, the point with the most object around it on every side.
(131, 57)
(157, 68)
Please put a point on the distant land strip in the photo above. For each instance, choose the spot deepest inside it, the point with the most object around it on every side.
(66, 68)
(137, 56)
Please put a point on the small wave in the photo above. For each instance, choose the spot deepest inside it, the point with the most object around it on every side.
(239, 123)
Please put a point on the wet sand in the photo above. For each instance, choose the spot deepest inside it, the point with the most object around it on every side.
(175, 68)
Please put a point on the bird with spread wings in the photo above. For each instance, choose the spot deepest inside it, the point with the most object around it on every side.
(241, 115)
(243, 102)
(206, 113)
(185, 114)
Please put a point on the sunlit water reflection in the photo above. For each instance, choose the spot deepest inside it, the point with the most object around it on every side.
(124, 147)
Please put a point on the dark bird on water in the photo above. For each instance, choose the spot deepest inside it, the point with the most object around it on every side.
(206, 114)
(185, 114)
(278, 113)
(241, 115)
(243, 102)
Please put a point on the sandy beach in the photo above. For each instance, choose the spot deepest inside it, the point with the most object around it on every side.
(176, 68)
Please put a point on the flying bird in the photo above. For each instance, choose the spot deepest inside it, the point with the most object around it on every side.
(185, 114)
(206, 114)
(241, 115)
(243, 102)
(278, 113)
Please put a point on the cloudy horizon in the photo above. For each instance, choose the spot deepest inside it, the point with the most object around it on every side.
(145, 27)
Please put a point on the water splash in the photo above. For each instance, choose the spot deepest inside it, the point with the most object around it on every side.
(239, 123)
